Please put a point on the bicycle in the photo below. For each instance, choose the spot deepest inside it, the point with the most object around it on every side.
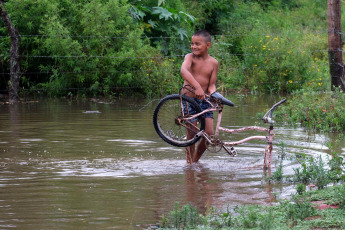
(172, 118)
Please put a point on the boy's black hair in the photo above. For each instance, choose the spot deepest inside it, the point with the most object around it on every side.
(203, 33)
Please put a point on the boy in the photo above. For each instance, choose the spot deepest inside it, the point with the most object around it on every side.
(199, 69)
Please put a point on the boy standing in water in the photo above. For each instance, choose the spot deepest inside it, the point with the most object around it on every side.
(199, 69)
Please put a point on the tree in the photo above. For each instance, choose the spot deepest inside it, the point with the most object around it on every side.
(89, 48)
(164, 22)
(335, 45)
(14, 55)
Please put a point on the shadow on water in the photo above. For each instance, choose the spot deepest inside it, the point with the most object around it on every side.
(62, 168)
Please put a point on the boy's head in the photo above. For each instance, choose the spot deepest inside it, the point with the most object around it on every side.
(201, 42)
(203, 33)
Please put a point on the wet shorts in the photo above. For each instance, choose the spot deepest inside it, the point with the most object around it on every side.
(203, 105)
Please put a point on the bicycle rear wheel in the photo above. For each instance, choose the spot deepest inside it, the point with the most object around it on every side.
(169, 120)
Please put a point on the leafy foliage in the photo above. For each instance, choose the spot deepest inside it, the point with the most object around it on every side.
(272, 48)
(312, 171)
(315, 110)
(166, 25)
(80, 45)
(184, 217)
(99, 47)
(316, 171)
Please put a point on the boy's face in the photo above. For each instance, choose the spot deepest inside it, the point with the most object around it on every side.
(199, 46)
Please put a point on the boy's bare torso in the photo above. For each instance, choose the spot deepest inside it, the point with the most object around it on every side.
(201, 69)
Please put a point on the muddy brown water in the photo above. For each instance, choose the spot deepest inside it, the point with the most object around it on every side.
(62, 168)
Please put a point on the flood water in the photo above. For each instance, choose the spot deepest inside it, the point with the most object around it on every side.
(62, 168)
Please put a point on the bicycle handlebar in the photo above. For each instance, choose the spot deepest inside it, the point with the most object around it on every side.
(267, 118)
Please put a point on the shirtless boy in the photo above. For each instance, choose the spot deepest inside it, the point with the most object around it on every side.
(199, 69)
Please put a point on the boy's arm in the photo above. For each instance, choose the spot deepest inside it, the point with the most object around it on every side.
(187, 76)
(212, 85)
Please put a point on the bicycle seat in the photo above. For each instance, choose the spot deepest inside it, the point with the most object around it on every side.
(216, 95)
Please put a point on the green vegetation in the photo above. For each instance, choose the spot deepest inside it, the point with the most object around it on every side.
(300, 212)
(93, 47)
(313, 170)
(108, 48)
(321, 208)
(275, 48)
(112, 48)
(315, 110)
(164, 21)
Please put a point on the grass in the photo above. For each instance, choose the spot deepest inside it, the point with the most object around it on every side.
(321, 111)
(300, 212)
(322, 208)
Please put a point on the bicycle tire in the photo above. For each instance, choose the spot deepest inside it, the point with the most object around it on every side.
(166, 116)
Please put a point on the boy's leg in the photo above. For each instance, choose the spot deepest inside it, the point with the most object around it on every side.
(190, 150)
(202, 145)
(190, 153)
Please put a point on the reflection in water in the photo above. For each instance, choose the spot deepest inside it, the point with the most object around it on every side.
(268, 186)
(204, 192)
(61, 168)
(200, 190)
(14, 120)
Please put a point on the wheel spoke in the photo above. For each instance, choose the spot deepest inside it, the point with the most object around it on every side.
(169, 123)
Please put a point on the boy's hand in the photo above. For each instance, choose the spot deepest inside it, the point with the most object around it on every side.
(199, 93)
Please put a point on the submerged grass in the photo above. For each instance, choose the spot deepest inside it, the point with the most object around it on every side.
(300, 212)
(322, 208)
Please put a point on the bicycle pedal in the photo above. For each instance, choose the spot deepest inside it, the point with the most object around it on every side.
(232, 152)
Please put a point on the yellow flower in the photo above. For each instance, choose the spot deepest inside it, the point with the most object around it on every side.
(267, 36)
(290, 81)
(320, 84)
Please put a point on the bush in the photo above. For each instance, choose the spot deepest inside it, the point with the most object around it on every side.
(93, 47)
(315, 110)
(103, 47)
(184, 217)
(271, 51)
(312, 171)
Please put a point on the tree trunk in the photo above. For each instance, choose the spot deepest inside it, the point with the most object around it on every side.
(14, 56)
(335, 52)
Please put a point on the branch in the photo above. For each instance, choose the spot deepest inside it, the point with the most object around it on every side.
(14, 55)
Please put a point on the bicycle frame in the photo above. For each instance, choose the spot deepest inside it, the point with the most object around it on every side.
(266, 119)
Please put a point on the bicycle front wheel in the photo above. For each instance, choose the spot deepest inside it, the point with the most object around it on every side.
(171, 122)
